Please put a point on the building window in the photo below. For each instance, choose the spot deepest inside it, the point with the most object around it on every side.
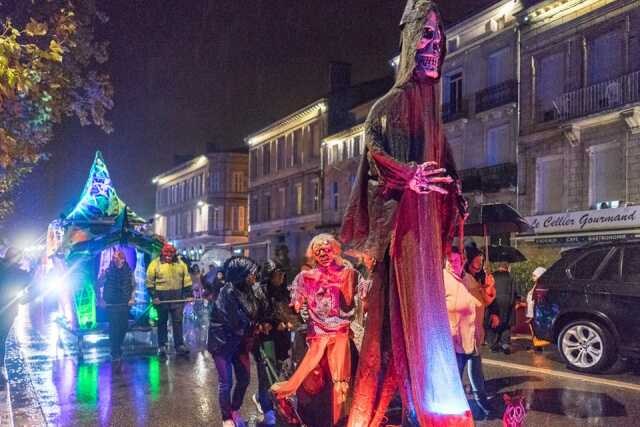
(297, 147)
(214, 180)
(290, 153)
(266, 159)
(498, 145)
(267, 207)
(499, 68)
(606, 57)
(345, 150)
(315, 136)
(549, 83)
(550, 185)
(253, 209)
(234, 218)
(316, 195)
(307, 148)
(189, 221)
(242, 220)
(357, 150)
(281, 153)
(334, 196)
(606, 176)
(253, 162)
(171, 233)
(334, 153)
(453, 92)
(237, 182)
(217, 219)
(202, 216)
(281, 203)
(299, 198)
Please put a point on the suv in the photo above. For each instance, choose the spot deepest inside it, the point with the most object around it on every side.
(588, 302)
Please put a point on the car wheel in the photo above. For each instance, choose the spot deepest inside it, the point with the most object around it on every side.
(586, 346)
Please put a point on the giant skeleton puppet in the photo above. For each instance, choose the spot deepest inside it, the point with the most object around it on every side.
(402, 212)
(328, 292)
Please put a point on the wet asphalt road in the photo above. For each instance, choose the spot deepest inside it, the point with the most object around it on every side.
(50, 386)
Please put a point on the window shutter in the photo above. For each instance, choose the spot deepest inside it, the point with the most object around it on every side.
(549, 80)
(605, 57)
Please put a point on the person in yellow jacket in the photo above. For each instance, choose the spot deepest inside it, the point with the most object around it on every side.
(168, 281)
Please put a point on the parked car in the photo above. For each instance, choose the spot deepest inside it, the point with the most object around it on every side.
(588, 302)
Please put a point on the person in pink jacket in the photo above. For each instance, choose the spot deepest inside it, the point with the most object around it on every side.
(465, 307)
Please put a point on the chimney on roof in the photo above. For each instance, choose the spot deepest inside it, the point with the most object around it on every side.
(339, 76)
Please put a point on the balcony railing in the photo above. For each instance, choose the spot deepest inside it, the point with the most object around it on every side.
(455, 110)
(496, 96)
(495, 177)
(599, 97)
(489, 179)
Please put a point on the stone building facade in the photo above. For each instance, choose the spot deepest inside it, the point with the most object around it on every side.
(284, 182)
(480, 102)
(579, 147)
(203, 202)
(341, 153)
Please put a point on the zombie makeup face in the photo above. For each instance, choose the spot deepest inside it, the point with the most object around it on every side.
(429, 50)
(324, 253)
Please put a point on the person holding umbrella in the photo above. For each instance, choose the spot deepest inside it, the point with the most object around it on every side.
(502, 307)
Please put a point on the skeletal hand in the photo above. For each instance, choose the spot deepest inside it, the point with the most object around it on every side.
(428, 177)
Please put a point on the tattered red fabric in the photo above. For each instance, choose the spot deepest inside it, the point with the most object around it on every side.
(407, 344)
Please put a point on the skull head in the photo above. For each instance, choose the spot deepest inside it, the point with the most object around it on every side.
(429, 49)
(324, 253)
(167, 253)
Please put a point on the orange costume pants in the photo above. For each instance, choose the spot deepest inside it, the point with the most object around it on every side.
(338, 351)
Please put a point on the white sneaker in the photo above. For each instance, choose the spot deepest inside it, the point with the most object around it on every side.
(269, 418)
(237, 419)
(228, 423)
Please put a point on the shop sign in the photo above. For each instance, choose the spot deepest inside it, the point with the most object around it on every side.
(605, 219)
(579, 240)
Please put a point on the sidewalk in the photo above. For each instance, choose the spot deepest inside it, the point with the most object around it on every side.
(19, 402)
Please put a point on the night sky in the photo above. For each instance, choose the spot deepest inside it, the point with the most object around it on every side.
(188, 73)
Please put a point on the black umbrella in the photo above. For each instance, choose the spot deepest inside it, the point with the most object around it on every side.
(492, 219)
(505, 254)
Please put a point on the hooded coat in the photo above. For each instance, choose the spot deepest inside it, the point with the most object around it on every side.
(407, 233)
